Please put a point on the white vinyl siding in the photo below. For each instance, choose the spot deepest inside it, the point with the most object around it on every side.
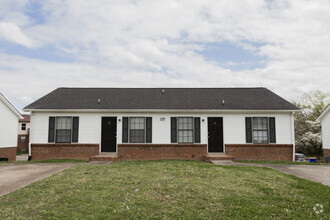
(326, 131)
(90, 126)
(8, 127)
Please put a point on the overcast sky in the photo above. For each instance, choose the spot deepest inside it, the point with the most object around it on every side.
(281, 45)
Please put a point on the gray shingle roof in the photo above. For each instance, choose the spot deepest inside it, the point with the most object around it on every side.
(154, 98)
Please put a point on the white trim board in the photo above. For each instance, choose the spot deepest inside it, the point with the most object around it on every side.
(10, 106)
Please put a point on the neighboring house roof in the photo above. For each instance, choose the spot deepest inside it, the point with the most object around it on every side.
(324, 113)
(10, 106)
(162, 98)
(26, 118)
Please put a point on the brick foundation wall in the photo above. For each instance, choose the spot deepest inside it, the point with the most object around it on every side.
(161, 151)
(282, 152)
(23, 146)
(8, 152)
(326, 153)
(63, 151)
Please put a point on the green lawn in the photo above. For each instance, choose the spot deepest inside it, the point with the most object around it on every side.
(280, 162)
(167, 190)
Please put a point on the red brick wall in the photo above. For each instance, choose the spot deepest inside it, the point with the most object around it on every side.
(326, 153)
(63, 151)
(23, 146)
(161, 151)
(8, 152)
(282, 152)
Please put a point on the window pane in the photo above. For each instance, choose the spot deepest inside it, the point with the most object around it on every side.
(255, 123)
(180, 123)
(180, 134)
(63, 129)
(260, 130)
(63, 135)
(63, 123)
(185, 130)
(190, 123)
(264, 124)
(137, 130)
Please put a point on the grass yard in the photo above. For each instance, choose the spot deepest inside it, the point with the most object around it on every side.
(167, 189)
(280, 162)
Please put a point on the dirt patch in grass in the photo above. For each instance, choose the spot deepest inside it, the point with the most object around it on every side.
(167, 189)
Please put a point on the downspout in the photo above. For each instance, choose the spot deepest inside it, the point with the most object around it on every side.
(31, 134)
(293, 137)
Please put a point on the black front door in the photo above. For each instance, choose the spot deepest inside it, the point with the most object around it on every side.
(109, 134)
(215, 133)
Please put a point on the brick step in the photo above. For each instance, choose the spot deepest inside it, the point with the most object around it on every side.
(104, 157)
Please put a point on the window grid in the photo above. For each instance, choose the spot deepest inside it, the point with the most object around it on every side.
(260, 130)
(137, 130)
(63, 129)
(23, 127)
(185, 130)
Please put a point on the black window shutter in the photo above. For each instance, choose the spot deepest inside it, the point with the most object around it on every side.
(272, 130)
(51, 130)
(248, 129)
(75, 129)
(148, 129)
(197, 130)
(125, 129)
(174, 130)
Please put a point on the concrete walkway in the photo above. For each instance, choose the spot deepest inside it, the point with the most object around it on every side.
(320, 174)
(14, 176)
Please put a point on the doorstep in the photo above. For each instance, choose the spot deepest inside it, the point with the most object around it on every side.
(104, 157)
(218, 156)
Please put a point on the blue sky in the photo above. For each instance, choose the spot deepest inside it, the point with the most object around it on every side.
(233, 56)
(282, 45)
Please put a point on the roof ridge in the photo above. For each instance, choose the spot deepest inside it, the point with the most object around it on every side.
(161, 88)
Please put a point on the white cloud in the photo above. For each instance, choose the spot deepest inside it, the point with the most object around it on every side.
(157, 43)
(11, 32)
(26, 99)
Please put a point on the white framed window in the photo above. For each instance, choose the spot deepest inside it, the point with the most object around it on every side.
(185, 130)
(137, 131)
(63, 129)
(260, 130)
(23, 126)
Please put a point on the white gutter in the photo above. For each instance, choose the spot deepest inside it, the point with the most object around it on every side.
(293, 137)
(162, 110)
(31, 132)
